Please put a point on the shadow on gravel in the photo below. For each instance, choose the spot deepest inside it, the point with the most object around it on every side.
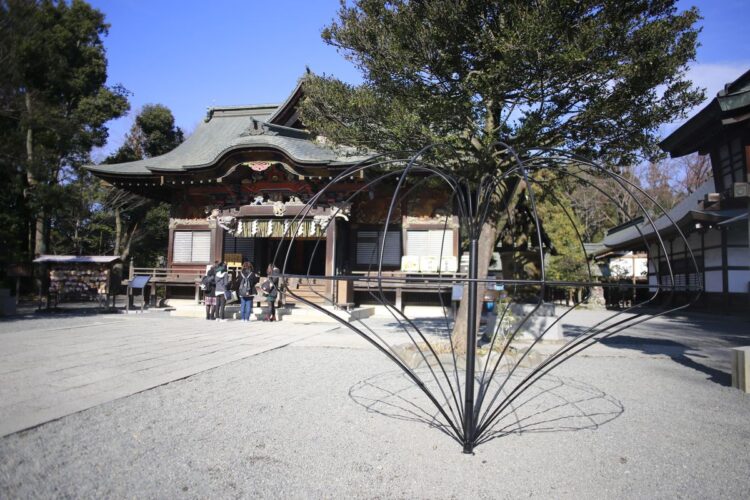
(59, 312)
(428, 326)
(553, 404)
(675, 350)
(658, 343)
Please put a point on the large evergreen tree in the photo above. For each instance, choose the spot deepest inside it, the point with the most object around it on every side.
(597, 77)
(53, 108)
(594, 77)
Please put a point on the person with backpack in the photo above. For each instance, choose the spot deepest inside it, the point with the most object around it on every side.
(208, 285)
(222, 290)
(246, 281)
(270, 289)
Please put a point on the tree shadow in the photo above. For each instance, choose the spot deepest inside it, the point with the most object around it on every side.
(67, 311)
(676, 351)
(436, 327)
(552, 404)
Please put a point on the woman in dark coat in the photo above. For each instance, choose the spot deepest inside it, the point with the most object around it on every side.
(222, 286)
(272, 293)
(208, 284)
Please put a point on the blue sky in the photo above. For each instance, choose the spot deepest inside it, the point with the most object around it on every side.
(190, 55)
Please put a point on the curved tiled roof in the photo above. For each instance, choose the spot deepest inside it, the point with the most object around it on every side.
(228, 129)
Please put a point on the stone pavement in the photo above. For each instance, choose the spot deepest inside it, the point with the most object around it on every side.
(55, 365)
(52, 367)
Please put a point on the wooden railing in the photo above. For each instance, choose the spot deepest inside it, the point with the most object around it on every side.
(169, 274)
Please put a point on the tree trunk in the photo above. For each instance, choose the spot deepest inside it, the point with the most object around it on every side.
(505, 204)
(38, 227)
(40, 234)
(118, 232)
(486, 246)
(126, 245)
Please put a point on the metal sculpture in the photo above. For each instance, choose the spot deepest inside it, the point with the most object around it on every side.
(470, 389)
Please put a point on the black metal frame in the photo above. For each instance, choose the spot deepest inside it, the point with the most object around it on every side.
(471, 405)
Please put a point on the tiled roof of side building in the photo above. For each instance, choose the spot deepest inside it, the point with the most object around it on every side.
(636, 233)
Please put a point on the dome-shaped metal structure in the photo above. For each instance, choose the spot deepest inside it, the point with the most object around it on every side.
(472, 369)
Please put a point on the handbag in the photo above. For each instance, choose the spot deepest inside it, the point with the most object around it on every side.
(228, 295)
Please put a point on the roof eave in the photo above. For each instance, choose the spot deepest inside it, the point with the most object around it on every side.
(695, 132)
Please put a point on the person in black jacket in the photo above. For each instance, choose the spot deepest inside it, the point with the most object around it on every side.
(222, 288)
(271, 290)
(245, 286)
(208, 285)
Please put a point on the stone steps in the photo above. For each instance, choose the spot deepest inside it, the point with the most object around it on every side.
(295, 313)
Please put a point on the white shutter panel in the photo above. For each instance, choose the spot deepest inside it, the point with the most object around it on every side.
(201, 246)
(417, 243)
(183, 244)
(432, 243)
(441, 242)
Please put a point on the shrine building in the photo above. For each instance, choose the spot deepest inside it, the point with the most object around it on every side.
(237, 182)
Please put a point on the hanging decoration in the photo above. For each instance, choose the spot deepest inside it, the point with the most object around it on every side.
(279, 228)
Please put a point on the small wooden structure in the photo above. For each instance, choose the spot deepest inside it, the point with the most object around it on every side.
(76, 278)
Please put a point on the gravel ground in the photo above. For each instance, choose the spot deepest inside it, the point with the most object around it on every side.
(311, 422)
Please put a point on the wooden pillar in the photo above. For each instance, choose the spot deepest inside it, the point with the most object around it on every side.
(703, 266)
(724, 265)
(217, 247)
(330, 256)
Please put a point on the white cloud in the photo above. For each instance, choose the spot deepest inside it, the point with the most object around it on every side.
(712, 77)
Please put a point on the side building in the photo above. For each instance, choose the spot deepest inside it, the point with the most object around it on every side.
(714, 218)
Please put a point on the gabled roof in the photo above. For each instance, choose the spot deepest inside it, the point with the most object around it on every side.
(731, 105)
(632, 236)
(233, 128)
(285, 114)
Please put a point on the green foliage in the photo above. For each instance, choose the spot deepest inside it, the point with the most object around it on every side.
(567, 260)
(596, 77)
(53, 108)
(593, 77)
(144, 223)
(159, 133)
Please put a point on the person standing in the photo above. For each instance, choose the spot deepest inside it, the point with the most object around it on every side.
(222, 287)
(208, 285)
(271, 290)
(246, 281)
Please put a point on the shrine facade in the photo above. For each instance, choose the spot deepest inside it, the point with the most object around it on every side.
(236, 185)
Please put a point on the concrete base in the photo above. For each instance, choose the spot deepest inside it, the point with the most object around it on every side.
(741, 368)
(410, 311)
(540, 321)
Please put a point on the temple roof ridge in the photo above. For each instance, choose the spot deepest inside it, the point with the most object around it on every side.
(227, 129)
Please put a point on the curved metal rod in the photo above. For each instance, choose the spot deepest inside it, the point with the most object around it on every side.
(524, 384)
